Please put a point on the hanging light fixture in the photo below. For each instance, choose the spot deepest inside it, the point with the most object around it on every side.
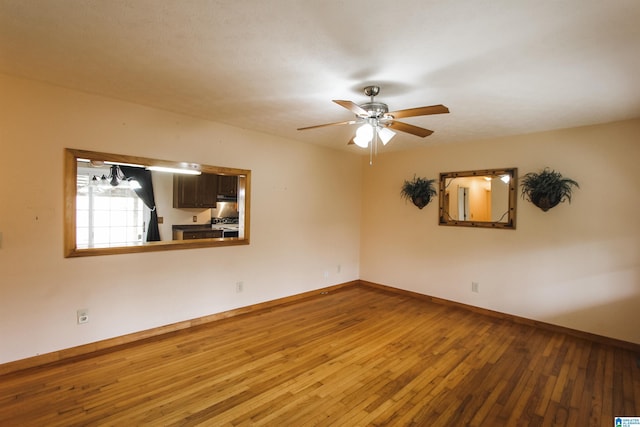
(115, 179)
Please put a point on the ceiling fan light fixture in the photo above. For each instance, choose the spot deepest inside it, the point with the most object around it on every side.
(364, 135)
(385, 134)
(376, 120)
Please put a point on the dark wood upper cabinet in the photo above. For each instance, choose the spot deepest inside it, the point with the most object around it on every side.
(227, 185)
(195, 191)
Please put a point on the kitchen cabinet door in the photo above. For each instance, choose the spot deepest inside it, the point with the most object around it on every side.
(211, 234)
(227, 185)
(195, 191)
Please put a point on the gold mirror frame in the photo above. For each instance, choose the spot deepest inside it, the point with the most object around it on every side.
(508, 210)
(71, 157)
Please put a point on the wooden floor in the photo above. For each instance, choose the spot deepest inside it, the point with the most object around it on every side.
(356, 357)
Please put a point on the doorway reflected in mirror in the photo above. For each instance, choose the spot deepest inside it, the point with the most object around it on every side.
(480, 198)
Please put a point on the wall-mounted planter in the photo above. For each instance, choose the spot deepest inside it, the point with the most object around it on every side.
(419, 190)
(547, 188)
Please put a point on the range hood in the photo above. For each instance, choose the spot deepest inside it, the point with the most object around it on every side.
(222, 198)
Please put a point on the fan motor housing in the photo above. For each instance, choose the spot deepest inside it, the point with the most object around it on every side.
(375, 109)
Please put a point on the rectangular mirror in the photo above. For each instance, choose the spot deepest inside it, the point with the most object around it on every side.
(115, 204)
(480, 198)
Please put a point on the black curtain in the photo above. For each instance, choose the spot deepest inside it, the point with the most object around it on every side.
(145, 193)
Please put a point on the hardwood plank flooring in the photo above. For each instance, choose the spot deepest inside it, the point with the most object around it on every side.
(356, 357)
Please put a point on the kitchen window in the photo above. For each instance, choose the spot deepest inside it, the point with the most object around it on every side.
(108, 217)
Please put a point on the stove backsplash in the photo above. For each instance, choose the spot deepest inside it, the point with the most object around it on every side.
(225, 210)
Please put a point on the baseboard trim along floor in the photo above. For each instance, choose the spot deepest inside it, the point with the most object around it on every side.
(90, 349)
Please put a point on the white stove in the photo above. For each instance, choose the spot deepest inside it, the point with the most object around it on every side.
(229, 226)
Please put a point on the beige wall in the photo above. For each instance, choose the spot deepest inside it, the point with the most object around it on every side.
(577, 265)
(295, 234)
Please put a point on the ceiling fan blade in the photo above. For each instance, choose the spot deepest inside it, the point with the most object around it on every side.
(419, 111)
(406, 127)
(353, 107)
(349, 122)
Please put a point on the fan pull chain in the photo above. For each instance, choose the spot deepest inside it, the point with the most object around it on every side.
(373, 151)
(371, 154)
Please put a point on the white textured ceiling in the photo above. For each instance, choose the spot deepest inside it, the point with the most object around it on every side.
(501, 66)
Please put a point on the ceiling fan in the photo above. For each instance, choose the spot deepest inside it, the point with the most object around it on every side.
(377, 121)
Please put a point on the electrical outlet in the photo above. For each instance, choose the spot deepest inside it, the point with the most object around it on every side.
(239, 287)
(160, 220)
(339, 269)
(82, 316)
(326, 274)
(195, 218)
(475, 287)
